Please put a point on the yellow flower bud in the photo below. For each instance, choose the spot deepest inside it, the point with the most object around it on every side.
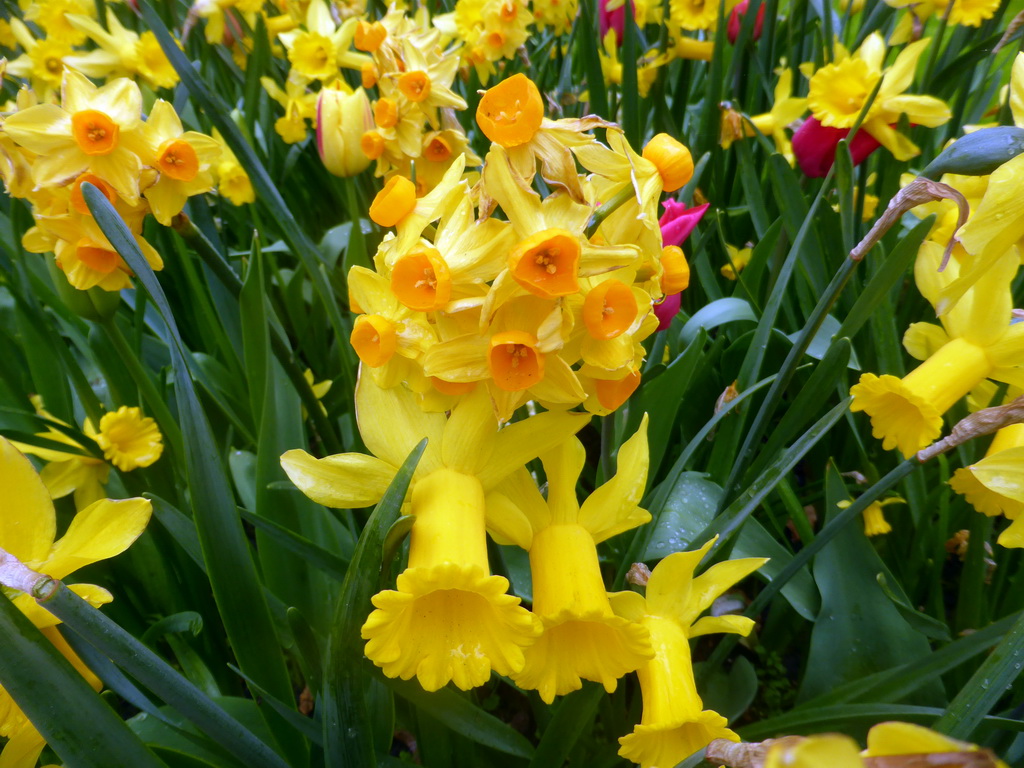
(341, 121)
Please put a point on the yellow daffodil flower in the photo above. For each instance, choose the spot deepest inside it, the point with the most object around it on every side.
(553, 251)
(396, 205)
(128, 439)
(42, 62)
(738, 260)
(968, 13)
(511, 114)
(976, 342)
(995, 485)
(52, 17)
(558, 15)
(86, 256)
(517, 356)
(232, 180)
(183, 159)
(839, 91)
(674, 723)
(875, 523)
(426, 81)
(299, 104)
(27, 530)
(449, 619)
(785, 110)
(94, 130)
(318, 51)
(895, 738)
(121, 53)
(583, 639)
(216, 14)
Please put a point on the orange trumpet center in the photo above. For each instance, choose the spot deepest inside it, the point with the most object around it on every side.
(177, 159)
(613, 393)
(94, 132)
(438, 150)
(514, 361)
(421, 280)
(511, 112)
(96, 257)
(609, 309)
(546, 263)
(374, 339)
(415, 85)
(78, 201)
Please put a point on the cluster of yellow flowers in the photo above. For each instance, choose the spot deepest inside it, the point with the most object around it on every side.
(980, 339)
(513, 305)
(69, 26)
(450, 619)
(97, 135)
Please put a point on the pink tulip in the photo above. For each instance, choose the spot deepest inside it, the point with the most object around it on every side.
(815, 147)
(736, 21)
(678, 221)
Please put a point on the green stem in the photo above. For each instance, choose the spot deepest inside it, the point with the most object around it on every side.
(150, 396)
(608, 208)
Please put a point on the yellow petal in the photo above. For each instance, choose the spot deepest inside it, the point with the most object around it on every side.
(1017, 90)
(342, 481)
(506, 522)
(28, 523)
(525, 440)
(922, 340)
(42, 618)
(998, 221)
(23, 750)
(40, 129)
(563, 465)
(920, 110)
(908, 739)
(520, 203)
(104, 529)
(392, 423)
(613, 508)
(714, 625)
(716, 580)
(991, 302)
(1003, 473)
(470, 434)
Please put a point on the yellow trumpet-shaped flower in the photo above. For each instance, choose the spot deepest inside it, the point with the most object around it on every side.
(425, 83)
(976, 342)
(995, 485)
(839, 91)
(875, 523)
(299, 104)
(583, 639)
(317, 51)
(674, 723)
(28, 528)
(42, 62)
(232, 180)
(449, 619)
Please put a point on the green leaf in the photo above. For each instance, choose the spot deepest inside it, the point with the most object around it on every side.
(465, 718)
(311, 553)
(856, 616)
(927, 625)
(348, 731)
(70, 715)
(690, 508)
(233, 577)
(730, 693)
(715, 314)
(572, 717)
(158, 676)
(986, 687)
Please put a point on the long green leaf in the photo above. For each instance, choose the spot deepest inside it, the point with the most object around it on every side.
(348, 732)
(233, 577)
(70, 715)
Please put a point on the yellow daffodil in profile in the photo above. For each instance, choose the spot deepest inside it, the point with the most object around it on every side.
(738, 260)
(975, 342)
(299, 104)
(94, 129)
(840, 90)
(232, 180)
(583, 639)
(786, 110)
(28, 527)
(674, 723)
(182, 158)
(449, 619)
(995, 485)
(42, 62)
(317, 51)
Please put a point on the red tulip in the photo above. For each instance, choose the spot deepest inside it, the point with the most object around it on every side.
(815, 147)
(736, 21)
